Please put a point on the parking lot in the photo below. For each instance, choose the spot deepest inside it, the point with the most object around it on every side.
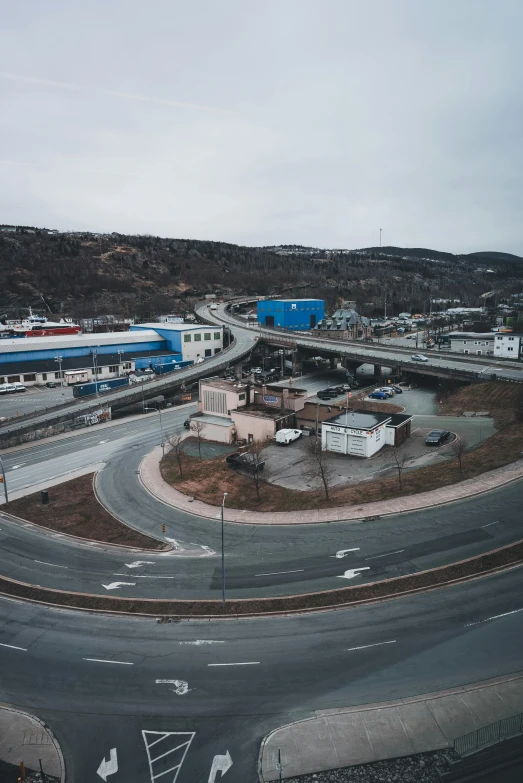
(35, 398)
(286, 465)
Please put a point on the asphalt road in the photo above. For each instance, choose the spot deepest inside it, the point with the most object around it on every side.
(104, 682)
(260, 560)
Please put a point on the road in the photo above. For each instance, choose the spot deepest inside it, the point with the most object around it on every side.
(93, 678)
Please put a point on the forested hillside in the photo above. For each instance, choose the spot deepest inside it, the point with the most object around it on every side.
(82, 275)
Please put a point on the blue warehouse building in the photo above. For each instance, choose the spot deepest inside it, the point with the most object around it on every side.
(293, 314)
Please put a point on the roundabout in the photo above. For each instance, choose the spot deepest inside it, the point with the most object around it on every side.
(212, 687)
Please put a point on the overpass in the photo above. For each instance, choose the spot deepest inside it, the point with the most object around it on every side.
(353, 353)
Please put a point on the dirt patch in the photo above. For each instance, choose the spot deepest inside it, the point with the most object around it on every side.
(388, 588)
(501, 400)
(207, 480)
(74, 509)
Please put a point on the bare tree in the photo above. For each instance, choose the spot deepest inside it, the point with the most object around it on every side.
(459, 446)
(317, 466)
(399, 459)
(176, 442)
(256, 463)
(198, 428)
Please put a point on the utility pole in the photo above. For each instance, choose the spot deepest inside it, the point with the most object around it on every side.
(95, 368)
(4, 481)
(59, 360)
(161, 427)
(223, 554)
(380, 237)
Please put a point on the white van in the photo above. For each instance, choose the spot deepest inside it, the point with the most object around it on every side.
(19, 387)
(10, 388)
(284, 437)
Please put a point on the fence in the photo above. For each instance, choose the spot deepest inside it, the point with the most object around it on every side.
(488, 735)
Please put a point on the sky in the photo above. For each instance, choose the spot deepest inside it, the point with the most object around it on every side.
(314, 122)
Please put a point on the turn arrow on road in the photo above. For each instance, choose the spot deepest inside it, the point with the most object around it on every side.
(220, 764)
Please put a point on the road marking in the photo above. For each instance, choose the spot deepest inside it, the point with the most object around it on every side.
(245, 663)
(343, 552)
(275, 573)
(102, 660)
(13, 647)
(495, 617)
(158, 763)
(221, 764)
(175, 544)
(200, 642)
(139, 563)
(375, 557)
(50, 564)
(107, 768)
(352, 573)
(366, 646)
(15, 467)
(116, 585)
(181, 687)
(142, 576)
(491, 523)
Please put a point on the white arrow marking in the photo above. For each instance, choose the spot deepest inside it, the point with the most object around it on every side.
(139, 563)
(220, 764)
(116, 585)
(352, 572)
(15, 467)
(181, 687)
(175, 544)
(343, 552)
(108, 767)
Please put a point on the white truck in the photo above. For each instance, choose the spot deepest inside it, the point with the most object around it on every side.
(285, 436)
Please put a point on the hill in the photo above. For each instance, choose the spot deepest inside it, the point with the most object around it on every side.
(85, 274)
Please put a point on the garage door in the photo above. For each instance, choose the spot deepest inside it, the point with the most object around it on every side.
(335, 441)
(357, 446)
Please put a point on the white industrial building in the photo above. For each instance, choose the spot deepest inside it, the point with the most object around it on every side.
(477, 343)
(507, 346)
(363, 433)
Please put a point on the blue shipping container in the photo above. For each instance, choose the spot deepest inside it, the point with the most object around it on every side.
(85, 389)
(160, 369)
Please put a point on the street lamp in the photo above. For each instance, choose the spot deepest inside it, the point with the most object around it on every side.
(4, 481)
(223, 555)
(95, 368)
(59, 360)
(157, 410)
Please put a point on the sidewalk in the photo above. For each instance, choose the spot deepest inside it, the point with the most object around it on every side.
(25, 738)
(374, 732)
(152, 480)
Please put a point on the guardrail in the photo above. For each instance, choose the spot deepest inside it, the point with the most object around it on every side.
(488, 735)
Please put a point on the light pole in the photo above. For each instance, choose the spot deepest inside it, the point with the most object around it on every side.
(223, 554)
(4, 481)
(161, 427)
(120, 352)
(282, 353)
(59, 360)
(95, 368)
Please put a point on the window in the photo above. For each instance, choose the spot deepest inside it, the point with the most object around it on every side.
(13, 379)
(44, 376)
(510, 349)
(187, 338)
(241, 396)
(127, 365)
(217, 350)
(510, 338)
(113, 369)
(208, 352)
(217, 336)
(499, 337)
(33, 377)
(207, 336)
(197, 338)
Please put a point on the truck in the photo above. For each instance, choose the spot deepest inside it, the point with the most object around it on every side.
(84, 390)
(160, 369)
(286, 436)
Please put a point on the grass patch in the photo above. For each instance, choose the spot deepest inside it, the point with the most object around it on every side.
(74, 509)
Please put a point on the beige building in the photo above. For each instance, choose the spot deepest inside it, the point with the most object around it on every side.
(233, 411)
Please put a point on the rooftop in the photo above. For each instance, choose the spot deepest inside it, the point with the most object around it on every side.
(222, 383)
(263, 411)
(360, 420)
(168, 326)
(21, 344)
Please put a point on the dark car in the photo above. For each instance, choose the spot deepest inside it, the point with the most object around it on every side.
(378, 395)
(332, 391)
(397, 389)
(437, 437)
(187, 424)
(244, 461)
(51, 385)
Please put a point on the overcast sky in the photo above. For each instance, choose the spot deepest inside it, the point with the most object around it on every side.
(289, 121)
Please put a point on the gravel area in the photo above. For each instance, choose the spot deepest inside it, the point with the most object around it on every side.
(421, 768)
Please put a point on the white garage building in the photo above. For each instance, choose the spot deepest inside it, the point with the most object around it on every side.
(359, 433)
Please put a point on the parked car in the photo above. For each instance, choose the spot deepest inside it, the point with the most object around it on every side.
(329, 393)
(437, 437)
(378, 395)
(409, 337)
(418, 357)
(10, 388)
(286, 436)
(51, 384)
(256, 370)
(19, 387)
(388, 390)
(322, 395)
(187, 424)
(244, 461)
(397, 389)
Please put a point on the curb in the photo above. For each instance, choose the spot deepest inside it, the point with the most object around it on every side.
(384, 705)
(58, 749)
(205, 510)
